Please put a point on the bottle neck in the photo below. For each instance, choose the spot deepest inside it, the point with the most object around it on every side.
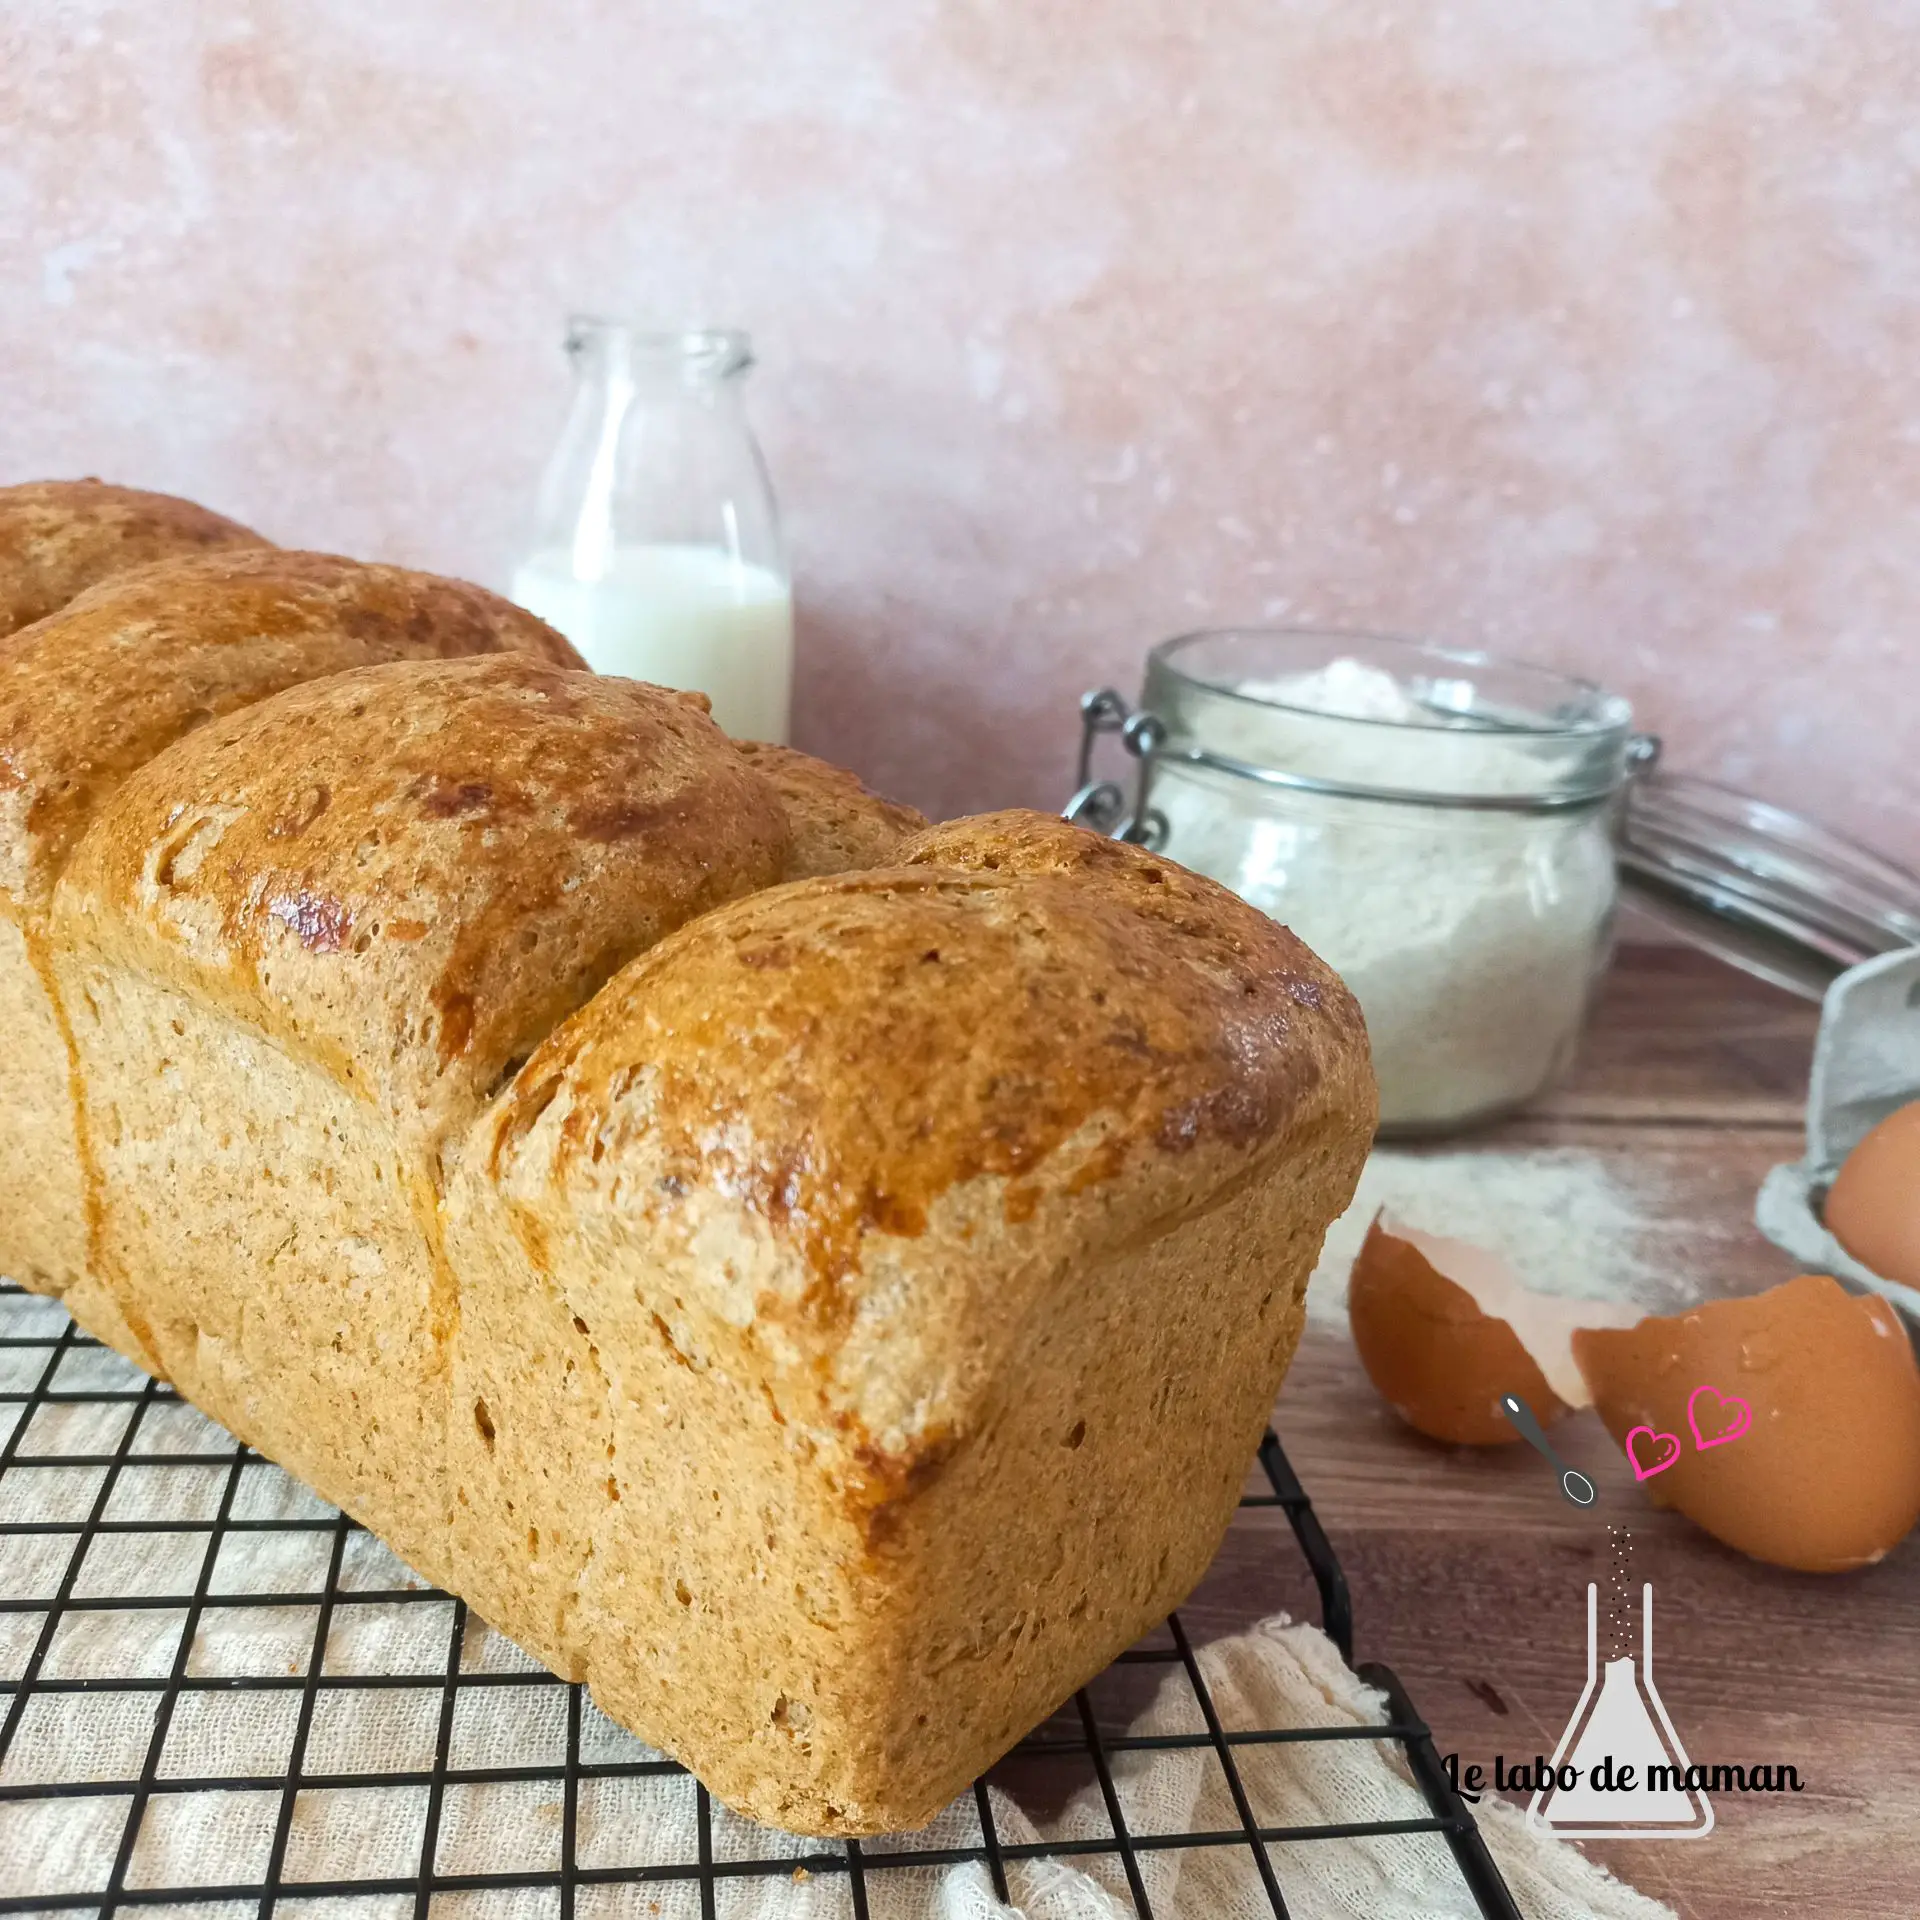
(657, 451)
(707, 364)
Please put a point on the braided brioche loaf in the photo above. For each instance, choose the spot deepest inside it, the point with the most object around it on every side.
(817, 1278)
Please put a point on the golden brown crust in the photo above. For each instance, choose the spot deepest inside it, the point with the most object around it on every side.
(1250, 991)
(97, 690)
(839, 823)
(1067, 1012)
(1077, 1008)
(410, 873)
(60, 537)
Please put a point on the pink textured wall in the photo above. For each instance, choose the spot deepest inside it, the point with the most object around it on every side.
(1589, 331)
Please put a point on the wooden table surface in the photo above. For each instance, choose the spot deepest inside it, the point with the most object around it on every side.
(1469, 1570)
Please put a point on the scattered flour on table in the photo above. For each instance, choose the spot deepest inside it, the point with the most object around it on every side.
(1570, 1222)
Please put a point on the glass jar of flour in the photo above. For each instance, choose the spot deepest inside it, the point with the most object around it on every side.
(1438, 826)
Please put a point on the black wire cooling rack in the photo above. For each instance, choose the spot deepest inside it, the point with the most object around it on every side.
(130, 1526)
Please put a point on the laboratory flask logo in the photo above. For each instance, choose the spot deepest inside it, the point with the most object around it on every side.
(1620, 1772)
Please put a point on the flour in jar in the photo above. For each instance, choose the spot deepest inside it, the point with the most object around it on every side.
(1471, 937)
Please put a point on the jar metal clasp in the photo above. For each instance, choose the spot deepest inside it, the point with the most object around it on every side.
(1102, 804)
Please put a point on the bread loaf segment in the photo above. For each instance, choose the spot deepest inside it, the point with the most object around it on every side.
(60, 537)
(839, 824)
(871, 1300)
(408, 875)
(92, 694)
(299, 951)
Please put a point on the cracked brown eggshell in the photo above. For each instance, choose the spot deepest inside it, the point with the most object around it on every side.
(1827, 1477)
(1439, 1327)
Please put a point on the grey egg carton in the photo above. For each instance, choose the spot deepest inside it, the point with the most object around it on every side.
(1865, 1064)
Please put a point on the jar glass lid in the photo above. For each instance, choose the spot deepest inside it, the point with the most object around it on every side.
(1771, 891)
(1373, 717)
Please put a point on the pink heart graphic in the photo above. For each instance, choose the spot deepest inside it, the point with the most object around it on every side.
(1671, 1441)
(1731, 1410)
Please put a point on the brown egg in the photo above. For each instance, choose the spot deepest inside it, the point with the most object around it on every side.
(1439, 1327)
(1873, 1206)
(1792, 1418)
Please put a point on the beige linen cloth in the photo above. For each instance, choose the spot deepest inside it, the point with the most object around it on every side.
(507, 1714)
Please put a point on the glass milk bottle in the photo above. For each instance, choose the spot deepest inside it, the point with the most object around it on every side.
(658, 546)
